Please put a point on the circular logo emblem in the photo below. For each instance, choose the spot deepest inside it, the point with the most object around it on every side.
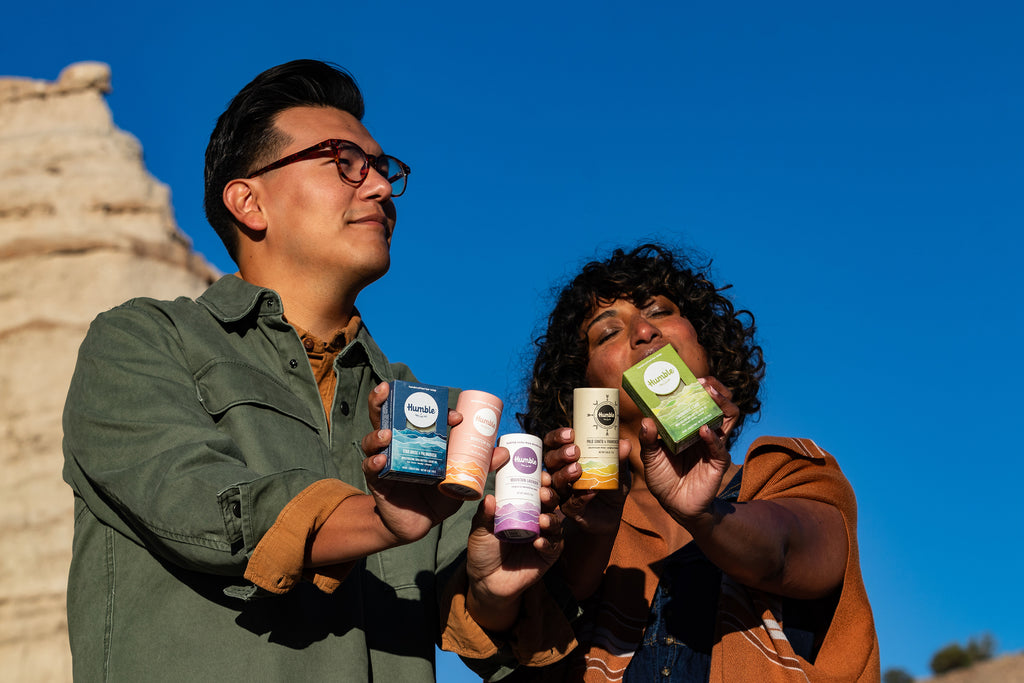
(661, 378)
(605, 414)
(525, 460)
(486, 421)
(421, 409)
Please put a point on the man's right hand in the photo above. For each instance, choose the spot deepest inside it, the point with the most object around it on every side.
(407, 510)
(395, 513)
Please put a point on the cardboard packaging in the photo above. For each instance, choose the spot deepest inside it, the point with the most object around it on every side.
(663, 388)
(417, 415)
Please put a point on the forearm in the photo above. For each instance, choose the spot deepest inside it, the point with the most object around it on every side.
(584, 560)
(353, 531)
(791, 547)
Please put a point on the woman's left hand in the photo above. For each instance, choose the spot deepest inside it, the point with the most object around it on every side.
(686, 484)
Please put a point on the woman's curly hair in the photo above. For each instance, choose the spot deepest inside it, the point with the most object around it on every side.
(638, 275)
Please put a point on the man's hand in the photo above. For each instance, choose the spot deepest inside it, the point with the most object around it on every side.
(408, 511)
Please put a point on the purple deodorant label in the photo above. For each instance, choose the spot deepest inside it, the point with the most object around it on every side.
(517, 489)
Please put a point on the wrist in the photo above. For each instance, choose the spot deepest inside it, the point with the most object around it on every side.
(492, 612)
(353, 531)
(701, 523)
(388, 538)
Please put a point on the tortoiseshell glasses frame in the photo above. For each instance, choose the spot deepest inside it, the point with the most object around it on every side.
(352, 162)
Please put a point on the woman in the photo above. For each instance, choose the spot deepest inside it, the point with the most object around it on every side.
(699, 569)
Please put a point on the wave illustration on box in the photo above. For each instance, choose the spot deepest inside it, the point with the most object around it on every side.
(424, 453)
(513, 522)
(465, 473)
(515, 514)
(598, 475)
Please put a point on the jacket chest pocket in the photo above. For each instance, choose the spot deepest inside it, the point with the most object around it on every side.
(271, 426)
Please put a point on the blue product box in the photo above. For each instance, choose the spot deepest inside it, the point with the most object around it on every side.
(417, 415)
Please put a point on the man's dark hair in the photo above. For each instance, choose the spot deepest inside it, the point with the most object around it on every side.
(245, 137)
(649, 270)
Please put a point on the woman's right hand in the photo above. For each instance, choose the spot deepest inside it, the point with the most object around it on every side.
(590, 519)
(591, 512)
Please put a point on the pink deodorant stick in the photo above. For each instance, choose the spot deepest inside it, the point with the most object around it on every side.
(471, 444)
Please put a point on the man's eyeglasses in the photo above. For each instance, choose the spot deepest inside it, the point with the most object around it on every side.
(352, 162)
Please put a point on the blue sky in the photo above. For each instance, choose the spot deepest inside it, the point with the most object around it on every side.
(854, 170)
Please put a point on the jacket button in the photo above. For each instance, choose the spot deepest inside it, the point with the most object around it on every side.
(344, 408)
(293, 363)
(236, 509)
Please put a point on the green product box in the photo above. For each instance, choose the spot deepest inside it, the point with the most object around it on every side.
(663, 388)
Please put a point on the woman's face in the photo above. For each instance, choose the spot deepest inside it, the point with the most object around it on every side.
(619, 335)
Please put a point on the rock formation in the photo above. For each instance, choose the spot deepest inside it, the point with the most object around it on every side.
(83, 227)
(1006, 669)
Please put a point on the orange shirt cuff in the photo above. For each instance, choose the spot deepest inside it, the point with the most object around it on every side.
(542, 635)
(278, 562)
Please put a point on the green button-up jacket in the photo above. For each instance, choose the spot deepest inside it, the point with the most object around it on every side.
(189, 425)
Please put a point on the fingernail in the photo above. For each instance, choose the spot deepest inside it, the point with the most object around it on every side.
(566, 434)
(381, 434)
(708, 386)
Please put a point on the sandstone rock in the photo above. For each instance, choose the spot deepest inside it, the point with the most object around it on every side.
(83, 227)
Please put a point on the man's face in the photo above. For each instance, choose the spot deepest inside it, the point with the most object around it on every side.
(317, 223)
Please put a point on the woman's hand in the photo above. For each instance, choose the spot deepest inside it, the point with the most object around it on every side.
(590, 518)
(499, 572)
(790, 546)
(591, 512)
(686, 484)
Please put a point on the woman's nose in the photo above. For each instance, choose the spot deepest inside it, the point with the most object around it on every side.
(644, 331)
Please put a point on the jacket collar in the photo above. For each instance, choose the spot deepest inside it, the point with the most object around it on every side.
(230, 299)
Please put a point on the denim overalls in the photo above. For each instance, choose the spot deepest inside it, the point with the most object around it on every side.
(676, 647)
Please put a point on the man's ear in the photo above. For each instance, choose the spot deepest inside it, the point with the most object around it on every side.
(241, 197)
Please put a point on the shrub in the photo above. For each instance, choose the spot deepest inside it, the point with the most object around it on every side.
(948, 658)
(897, 676)
(955, 657)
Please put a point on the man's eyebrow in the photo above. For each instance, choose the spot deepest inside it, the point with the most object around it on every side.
(610, 313)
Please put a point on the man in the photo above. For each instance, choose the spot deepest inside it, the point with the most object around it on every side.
(227, 524)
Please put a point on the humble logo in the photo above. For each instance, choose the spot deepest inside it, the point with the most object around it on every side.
(661, 377)
(421, 409)
(485, 421)
(525, 460)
